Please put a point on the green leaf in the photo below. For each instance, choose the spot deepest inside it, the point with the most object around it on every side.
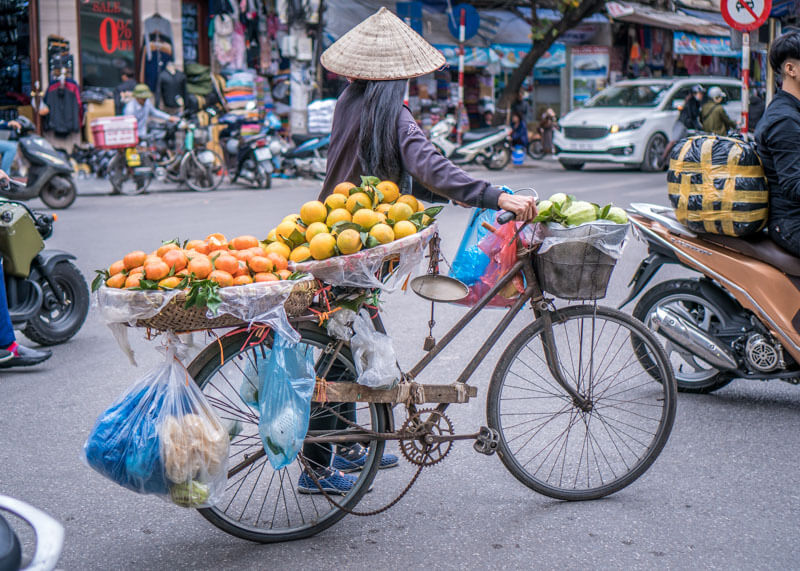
(604, 211)
(358, 207)
(369, 180)
(432, 211)
(99, 279)
(379, 195)
(345, 225)
(416, 218)
(364, 237)
(176, 241)
(146, 285)
(371, 242)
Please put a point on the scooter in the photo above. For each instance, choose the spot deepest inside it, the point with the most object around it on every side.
(48, 173)
(248, 157)
(740, 320)
(47, 296)
(489, 147)
(49, 537)
(308, 158)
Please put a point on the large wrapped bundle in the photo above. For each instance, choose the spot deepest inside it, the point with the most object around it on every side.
(717, 185)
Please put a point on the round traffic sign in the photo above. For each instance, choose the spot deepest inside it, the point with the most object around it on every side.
(471, 20)
(745, 15)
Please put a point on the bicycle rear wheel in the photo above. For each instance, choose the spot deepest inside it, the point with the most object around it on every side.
(124, 179)
(202, 170)
(559, 449)
(261, 504)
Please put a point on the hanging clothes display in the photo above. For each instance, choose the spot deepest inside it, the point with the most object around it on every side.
(64, 100)
(170, 88)
(158, 48)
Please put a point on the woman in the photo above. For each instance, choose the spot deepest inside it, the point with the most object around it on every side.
(519, 131)
(546, 127)
(374, 134)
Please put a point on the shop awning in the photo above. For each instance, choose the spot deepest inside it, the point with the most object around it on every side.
(635, 13)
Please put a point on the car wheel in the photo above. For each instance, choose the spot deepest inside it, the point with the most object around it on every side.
(654, 153)
(571, 165)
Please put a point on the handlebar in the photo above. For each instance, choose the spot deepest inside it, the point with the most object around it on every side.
(505, 216)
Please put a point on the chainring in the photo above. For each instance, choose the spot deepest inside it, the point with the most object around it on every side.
(426, 421)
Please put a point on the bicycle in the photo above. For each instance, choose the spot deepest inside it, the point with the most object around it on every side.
(131, 170)
(571, 411)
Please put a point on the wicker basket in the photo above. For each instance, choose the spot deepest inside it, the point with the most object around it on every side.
(174, 317)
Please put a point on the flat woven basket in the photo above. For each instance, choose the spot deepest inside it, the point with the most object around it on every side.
(174, 317)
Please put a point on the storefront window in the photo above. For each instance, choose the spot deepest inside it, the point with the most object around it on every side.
(107, 41)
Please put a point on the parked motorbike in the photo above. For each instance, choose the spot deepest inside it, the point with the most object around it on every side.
(48, 174)
(489, 147)
(740, 320)
(48, 298)
(308, 158)
(247, 157)
(49, 537)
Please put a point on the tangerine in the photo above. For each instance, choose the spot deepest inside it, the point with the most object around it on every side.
(175, 259)
(265, 277)
(357, 201)
(170, 282)
(133, 281)
(334, 201)
(315, 228)
(366, 218)
(214, 245)
(400, 211)
(383, 208)
(343, 188)
(117, 281)
(300, 254)
(223, 278)
(284, 274)
(278, 261)
(216, 236)
(166, 248)
(285, 229)
(134, 259)
(390, 191)
(197, 246)
(383, 233)
(313, 211)
(156, 270)
(410, 200)
(150, 259)
(226, 263)
(242, 280)
(338, 215)
(260, 264)
(278, 248)
(349, 241)
(200, 267)
(244, 242)
(322, 246)
(119, 265)
(243, 270)
(404, 228)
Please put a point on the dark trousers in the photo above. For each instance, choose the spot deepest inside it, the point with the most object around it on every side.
(789, 242)
(319, 455)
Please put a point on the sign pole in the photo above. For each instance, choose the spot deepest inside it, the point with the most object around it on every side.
(745, 79)
(460, 107)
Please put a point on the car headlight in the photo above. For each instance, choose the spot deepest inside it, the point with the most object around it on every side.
(627, 127)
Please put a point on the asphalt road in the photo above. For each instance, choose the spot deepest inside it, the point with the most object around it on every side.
(722, 494)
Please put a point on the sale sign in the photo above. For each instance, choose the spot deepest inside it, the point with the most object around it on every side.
(107, 41)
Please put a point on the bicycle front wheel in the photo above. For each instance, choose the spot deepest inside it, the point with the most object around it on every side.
(571, 452)
(202, 170)
(259, 503)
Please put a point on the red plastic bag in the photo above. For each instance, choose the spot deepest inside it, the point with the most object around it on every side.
(500, 246)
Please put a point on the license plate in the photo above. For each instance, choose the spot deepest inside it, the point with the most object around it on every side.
(263, 154)
(206, 157)
(132, 158)
(582, 146)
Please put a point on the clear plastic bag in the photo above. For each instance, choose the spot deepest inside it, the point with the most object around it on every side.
(471, 262)
(286, 384)
(373, 353)
(161, 437)
(361, 269)
(604, 235)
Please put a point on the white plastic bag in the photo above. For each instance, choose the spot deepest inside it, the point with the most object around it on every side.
(373, 353)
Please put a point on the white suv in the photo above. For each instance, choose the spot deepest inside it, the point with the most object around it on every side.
(630, 122)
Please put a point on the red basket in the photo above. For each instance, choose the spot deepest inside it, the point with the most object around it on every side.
(115, 132)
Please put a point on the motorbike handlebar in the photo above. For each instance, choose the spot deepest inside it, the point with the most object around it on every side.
(505, 216)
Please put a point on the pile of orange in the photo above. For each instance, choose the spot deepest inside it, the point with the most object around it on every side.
(242, 260)
(351, 218)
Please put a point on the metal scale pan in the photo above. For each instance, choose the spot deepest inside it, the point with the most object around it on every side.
(436, 287)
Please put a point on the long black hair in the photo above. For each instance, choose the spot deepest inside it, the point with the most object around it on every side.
(378, 145)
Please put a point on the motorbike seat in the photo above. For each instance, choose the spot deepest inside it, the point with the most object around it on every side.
(299, 139)
(476, 134)
(760, 247)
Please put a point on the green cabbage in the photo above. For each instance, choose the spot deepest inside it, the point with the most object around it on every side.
(580, 212)
(544, 207)
(559, 198)
(616, 214)
(190, 494)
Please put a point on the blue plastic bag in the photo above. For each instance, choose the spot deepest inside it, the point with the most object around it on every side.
(471, 262)
(162, 437)
(287, 385)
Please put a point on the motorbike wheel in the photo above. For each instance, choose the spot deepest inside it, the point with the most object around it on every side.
(706, 311)
(200, 177)
(55, 324)
(122, 178)
(501, 156)
(59, 193)
(263, 178)
(536, 149)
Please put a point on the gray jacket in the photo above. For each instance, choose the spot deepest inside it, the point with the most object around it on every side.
(420, 158)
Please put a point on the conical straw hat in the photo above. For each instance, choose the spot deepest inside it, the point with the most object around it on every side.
(382, 47)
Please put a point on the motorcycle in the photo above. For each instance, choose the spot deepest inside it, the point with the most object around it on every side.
(47, 296)
(489, 147)
(308, 158)
(48, 173)
(740, 320)
(248, 157)
(49, 537)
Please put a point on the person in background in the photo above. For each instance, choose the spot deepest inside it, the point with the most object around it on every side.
(8, 149)
(519, 133)
(755, 111)
(547, 125)
(688, 119)
(143, 109)
(713, 115)
(12, 354)
(487, 119)
(777, 135)
(521, 106)
(122, 92)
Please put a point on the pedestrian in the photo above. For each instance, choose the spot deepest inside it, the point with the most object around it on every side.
(777, 136)
(487, 120)
(519, 132)
(713, 115)
(688, 119)
(375, 134)
(756, 111)
(143, 109)
(521, 106)
(547, 125)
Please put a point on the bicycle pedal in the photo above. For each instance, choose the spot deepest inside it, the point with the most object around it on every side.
(429, 343)
(487, 441)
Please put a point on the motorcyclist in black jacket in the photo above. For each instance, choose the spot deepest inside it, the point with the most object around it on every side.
(778, 138)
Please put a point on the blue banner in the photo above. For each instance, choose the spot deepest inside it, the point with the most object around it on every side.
(692, 44)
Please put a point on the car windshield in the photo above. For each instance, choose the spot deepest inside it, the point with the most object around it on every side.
(629, 96)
